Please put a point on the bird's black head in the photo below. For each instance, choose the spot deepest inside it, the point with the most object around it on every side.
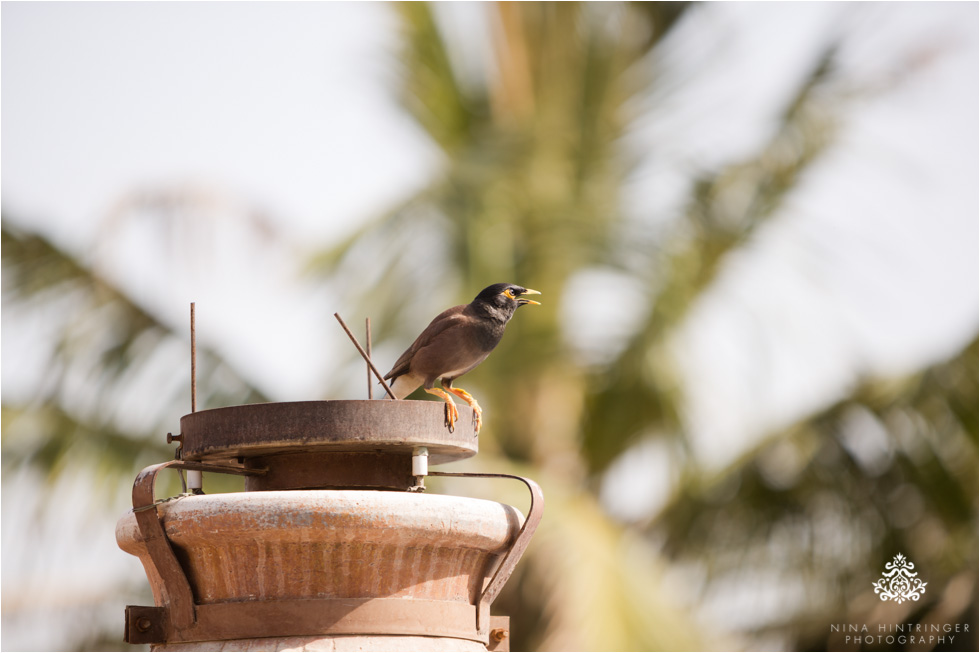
(505, 296)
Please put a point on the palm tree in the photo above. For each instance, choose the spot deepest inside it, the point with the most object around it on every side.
(530, 191)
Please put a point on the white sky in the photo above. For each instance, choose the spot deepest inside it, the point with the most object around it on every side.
(872, 268)
(282, 107)
(283, 104)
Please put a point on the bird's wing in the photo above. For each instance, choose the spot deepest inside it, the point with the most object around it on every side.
(439, 324)
(452, 352)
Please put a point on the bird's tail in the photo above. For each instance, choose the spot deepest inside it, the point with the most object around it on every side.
(402, 386)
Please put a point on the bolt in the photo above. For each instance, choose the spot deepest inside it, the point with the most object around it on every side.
(498, 634)
(174, 438)
(143, 624)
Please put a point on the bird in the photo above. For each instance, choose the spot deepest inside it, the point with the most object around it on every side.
(456, 341)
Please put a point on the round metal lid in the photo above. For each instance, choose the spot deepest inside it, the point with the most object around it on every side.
(324, 426)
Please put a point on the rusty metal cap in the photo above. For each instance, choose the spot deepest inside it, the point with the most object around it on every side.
(344, 426)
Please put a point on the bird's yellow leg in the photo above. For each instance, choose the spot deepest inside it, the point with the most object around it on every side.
(468, 398)
(452, 413)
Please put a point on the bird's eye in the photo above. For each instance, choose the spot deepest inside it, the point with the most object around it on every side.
(510, 294)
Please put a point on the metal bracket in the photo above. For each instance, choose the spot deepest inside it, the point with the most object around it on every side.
(311, 617)
(509, 562)
(178, 596)
(499, 634)
(145, 624)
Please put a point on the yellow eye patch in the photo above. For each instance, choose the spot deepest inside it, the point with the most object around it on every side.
(510, 294)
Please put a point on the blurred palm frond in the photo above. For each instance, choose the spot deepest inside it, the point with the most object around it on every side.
(890, 469)
(114, 375)
(639, 390)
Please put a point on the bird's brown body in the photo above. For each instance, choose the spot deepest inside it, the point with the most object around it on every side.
(456, 341)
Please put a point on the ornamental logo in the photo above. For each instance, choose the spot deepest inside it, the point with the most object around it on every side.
(899, 583)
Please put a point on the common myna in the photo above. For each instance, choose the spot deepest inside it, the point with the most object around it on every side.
(455, 342)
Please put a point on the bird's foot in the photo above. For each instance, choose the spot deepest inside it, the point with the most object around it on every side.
(452, 413)
(477, 418)
(477, 411)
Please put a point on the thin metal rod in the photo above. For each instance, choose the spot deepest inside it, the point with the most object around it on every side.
(367, 337)
(365, 356)
(195, 480)
(193, 363)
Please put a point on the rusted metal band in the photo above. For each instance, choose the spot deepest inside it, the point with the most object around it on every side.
(517, 549)
(176, 588)
(308, 617)
(310, 470)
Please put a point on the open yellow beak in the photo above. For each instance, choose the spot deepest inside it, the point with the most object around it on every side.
(529, 301)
